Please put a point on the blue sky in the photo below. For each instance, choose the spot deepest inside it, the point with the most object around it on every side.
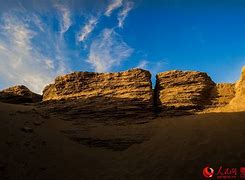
(40, 40)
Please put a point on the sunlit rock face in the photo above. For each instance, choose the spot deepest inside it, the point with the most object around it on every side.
(239, 101)
(19, 94)
(240, 85)
(222, 94)
(183, 90)
(122, 89)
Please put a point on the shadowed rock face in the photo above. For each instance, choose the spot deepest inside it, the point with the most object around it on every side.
(132, 87)
(183, 90)
(19, 94)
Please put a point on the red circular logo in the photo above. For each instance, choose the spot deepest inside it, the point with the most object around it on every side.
(208, 172)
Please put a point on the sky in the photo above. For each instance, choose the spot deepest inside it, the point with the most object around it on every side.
(40, 40)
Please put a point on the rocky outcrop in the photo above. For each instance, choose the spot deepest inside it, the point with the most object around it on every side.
(129, 92)
(121, 89)
(19, 94)
(238, 102)
(222, 94)
(183, 90)
(240, 85)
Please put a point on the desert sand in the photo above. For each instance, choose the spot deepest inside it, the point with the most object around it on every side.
(38, 145)
(115, 126)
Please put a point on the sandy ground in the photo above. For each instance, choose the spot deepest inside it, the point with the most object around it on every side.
(36, 145)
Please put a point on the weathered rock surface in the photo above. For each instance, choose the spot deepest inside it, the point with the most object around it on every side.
(127, 93)
(238, 102)
(125, 90)
(222, 94)
(240, 85)
(19, 94)
(183, 90)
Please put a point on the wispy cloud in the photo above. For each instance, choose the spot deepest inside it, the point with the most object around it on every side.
(143, 64)
(108, 50)
(21, 61)
(38, 22)
(127, 7)
(115, 4)
(154, 66)
(33, 52)
(87, 29)
(66, 17)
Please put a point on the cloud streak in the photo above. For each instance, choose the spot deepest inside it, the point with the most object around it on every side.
(115, 4)
(91, 23)
(87, 29)
(143, 64)
(35, 47)
(108, 50)
(127, 7)
(21, 61)
(66, 17)
(153, 66)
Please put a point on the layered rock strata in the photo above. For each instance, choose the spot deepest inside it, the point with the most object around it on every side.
(183, 90)
(130, 89)
(130, 92)
(222, 94)
(19, 94)
(238, 102)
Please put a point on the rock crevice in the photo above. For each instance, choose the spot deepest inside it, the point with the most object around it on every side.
(131, 91)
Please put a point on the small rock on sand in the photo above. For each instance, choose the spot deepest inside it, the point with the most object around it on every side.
(27, 129)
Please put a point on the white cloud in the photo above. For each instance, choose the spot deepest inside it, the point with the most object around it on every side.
(153, 66)
(18, 33)
(91, 23)
(37, 21)
(66, 17)
(115, 4)
(2, 47)
(87, 29)
(143, 64)
(49, 63)
(108, 50)
(33, 53)
(21, 62)
(127, 7)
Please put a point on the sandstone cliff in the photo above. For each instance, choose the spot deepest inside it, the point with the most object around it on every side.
(130, 92)
(19, 94)
(183, 90)
(222, 94)
(238, 103)
(121, 89)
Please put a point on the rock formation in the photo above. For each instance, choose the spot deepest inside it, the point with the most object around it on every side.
(240, 85)
(19, 94)
(238, 103)
(130, 92)
(121, 89)
(222, 94)
(183, 90)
